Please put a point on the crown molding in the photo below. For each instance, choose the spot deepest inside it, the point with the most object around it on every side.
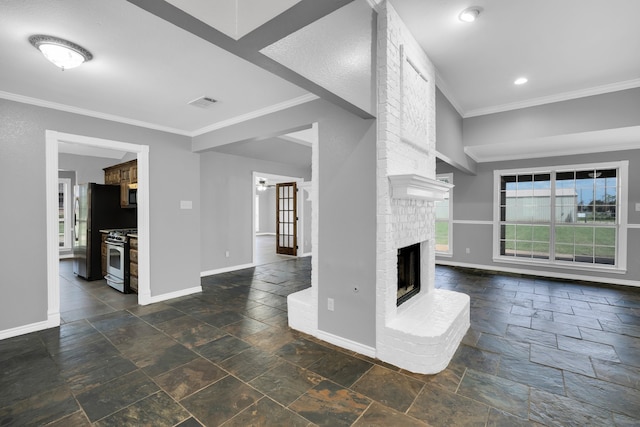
(255, 114)
(608, 140)
(90, 113)
(565, 96)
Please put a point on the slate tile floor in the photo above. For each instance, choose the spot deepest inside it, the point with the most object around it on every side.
(540, 352)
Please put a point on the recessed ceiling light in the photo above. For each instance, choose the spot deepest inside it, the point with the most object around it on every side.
(520, 81)
(62, 53)
(470, 14)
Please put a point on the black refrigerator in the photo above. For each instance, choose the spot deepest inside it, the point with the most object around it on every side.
(97, 207)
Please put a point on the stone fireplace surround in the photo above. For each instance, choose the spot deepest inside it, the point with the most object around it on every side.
(422, 334)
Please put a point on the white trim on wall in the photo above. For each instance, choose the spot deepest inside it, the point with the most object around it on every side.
(347, 343)
(566, 96)
(226, 269)
(472, 222)
(545, 273)
(52, 138)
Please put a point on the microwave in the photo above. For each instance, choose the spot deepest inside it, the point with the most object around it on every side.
(132, 198)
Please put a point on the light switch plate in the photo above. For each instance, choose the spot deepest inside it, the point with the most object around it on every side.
(637, 207)
(186, 204)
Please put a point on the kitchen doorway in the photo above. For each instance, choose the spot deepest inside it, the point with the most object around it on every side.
(53, 139)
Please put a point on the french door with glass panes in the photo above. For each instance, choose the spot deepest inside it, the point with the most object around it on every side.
(286, 219)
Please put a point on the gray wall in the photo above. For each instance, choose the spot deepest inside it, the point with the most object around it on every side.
(449, 140)
(227, 200)
(87, 168)
(593, 113)
(473, 201)
(347, 226)
(306, 246)
(174, 176)
(267, 212)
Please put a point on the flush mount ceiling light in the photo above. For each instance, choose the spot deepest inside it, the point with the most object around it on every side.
(62, 53)
(470, 14)
(520, 81)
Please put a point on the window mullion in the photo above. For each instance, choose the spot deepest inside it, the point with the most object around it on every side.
(552, 220)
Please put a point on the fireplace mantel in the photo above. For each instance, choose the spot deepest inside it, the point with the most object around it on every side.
(418, 187)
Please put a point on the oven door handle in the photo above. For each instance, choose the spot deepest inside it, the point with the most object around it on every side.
(121, 244)
(114, 279)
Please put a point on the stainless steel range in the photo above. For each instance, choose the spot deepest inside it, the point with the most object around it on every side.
(118, 259)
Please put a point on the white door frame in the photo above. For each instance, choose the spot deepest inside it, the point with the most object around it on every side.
(254, 192)
(52, 139)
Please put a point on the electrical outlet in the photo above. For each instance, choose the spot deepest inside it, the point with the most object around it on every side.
(330, 304)
(226, 254)
(468, 250)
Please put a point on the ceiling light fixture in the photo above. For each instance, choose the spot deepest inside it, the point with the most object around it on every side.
(520, 81)
(470, 14)
(62, 53)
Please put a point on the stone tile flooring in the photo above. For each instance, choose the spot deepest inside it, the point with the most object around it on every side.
(539, 352)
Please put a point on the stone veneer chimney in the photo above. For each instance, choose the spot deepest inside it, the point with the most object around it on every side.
(422, 334)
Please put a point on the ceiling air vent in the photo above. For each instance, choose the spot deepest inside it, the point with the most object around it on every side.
(203, 102)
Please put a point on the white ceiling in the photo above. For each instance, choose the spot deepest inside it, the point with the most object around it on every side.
(235, 18)
(566, 48)
(145, 70)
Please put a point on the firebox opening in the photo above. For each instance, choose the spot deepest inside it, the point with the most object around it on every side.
(408, 272)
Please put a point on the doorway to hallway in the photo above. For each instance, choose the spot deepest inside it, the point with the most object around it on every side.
(265, 250)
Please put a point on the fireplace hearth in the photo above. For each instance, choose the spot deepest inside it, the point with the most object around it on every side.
(408, 272)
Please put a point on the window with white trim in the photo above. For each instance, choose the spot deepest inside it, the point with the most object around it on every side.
(444, 219)
(573, 216)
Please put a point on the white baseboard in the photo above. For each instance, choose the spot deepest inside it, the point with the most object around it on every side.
(540, 273)
(172, 295)
(51, 322)
(305, 255)
(226, 269)
(266, 234)
(347, 343)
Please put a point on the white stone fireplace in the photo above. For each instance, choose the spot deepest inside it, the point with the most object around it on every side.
(423, 332)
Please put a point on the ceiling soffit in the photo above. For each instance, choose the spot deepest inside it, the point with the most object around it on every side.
(301, 14)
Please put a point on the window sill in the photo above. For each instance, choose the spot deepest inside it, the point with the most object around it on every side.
(561, 265)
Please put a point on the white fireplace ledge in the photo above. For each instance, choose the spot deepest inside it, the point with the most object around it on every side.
(433, 316)
(423, 337)
(418, 187)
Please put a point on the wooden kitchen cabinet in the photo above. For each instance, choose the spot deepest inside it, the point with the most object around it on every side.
(112, 176)
(103, 251)
(124, 195)
(133, 173)
(133, 264)
(124, 175)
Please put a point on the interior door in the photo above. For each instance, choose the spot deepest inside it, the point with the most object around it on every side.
(286, 218)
